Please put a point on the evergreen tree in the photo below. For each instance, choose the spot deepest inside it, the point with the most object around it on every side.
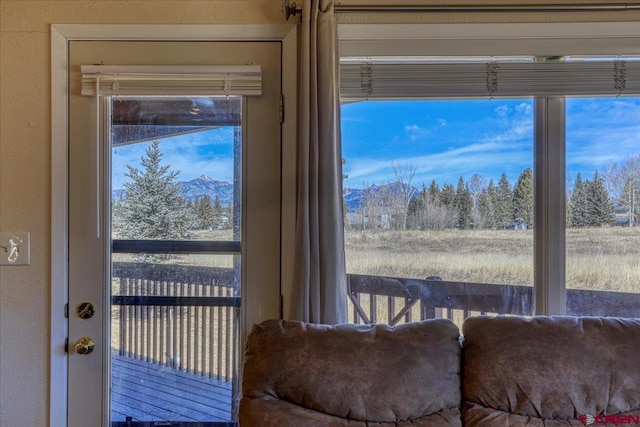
(523, 198)
(415, 209)
(599, 207)
(153, 206)
(191, 205)
(464, 204)
(217, 213)
(204, 212)
(504, 203)
(578, 204)
(492, 190)
(434, 192)
(428, 213)
(485, 207)
(448, 196)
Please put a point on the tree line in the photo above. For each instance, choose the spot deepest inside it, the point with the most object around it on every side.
(153, 206)
(481, 204)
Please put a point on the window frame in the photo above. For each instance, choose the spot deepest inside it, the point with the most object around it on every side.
(555, 39)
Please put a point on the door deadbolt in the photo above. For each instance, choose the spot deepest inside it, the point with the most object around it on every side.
(85, 310)
(85, 345)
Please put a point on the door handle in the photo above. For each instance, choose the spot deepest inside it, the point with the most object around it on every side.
(85, 345)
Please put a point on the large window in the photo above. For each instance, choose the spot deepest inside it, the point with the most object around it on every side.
(603, 205)
(454, 192)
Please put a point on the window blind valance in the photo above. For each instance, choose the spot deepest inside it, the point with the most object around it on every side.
(416, 78)
(170, 80)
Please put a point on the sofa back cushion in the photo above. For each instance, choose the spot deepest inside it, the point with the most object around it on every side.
(549, 370)
(295, 373)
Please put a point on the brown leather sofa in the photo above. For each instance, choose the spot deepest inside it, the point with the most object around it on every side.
(508, 371)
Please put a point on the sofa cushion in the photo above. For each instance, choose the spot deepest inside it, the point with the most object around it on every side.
(299, 374)
(549, 371)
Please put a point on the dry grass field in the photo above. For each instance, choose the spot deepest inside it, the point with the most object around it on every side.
(597, 258)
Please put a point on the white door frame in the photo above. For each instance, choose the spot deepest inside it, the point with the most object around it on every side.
(61, 34)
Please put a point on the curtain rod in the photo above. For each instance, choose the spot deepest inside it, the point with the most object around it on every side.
(399, 8)
(292, 9)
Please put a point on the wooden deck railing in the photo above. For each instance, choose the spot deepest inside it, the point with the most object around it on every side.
(184, 317)
(393, 300)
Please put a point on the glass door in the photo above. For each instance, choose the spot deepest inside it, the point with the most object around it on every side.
(174, 239)
(176, 258)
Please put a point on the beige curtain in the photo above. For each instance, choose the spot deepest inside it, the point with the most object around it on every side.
(320, 287)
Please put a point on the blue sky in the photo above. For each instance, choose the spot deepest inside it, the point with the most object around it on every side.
(442, 140)
(203, 153)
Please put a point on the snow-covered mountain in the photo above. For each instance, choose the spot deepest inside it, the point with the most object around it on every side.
(355, 198)
(202, 185)
(197, 188)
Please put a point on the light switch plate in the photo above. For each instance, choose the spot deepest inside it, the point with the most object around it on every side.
(15, 248)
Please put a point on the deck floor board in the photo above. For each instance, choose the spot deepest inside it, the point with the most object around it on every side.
(148, 392)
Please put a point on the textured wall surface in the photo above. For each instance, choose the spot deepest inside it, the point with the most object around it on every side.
(25, 154)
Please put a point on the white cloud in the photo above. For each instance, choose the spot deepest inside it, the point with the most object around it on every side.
(513, 125)
(601, 131)
(502, 113)
(415, 132)
(482, 158)
(209, 153)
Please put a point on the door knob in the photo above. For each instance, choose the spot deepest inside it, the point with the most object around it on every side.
(85, 345)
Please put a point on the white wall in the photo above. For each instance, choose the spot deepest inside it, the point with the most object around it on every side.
(25, 154)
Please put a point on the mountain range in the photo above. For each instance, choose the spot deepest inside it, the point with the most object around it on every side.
(354, 198)
(197, 188)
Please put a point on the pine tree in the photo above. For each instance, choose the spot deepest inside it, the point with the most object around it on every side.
(153, 206)
(523, 198)
(485, 208)
(217, 213)
(599, 207)
(578, 204)
(504, 203)
(434, 192)
(464, 204)
(448, 195)
(415, 209)
(204, 212)
(492, 190)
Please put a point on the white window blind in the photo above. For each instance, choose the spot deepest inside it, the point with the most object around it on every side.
(415, 78)
(169, 80)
